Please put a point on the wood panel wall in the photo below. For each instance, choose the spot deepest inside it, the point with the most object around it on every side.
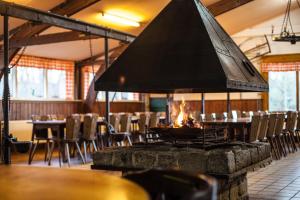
(219, 106)
(22, 110)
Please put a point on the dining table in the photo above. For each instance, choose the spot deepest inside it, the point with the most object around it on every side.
(243, 124)
(36, 183)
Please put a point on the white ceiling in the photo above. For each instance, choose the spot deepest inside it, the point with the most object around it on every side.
(234, 21)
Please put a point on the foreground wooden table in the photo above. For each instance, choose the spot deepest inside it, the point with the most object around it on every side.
(47, 183)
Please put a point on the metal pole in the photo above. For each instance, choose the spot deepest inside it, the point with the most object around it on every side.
(228, 102)
(202, 103)
(107, 106)
(168, 116)
(5, 102)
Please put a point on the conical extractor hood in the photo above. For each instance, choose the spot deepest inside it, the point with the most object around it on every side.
(183, 49)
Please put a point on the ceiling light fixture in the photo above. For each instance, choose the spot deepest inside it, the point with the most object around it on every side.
(120, 19)
(287, 33)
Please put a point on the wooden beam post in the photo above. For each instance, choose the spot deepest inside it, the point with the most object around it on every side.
(202, 103)
(228, 103)
(106, 57)
(5, 102)
(168, 106)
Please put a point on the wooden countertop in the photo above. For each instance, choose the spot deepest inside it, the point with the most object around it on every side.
(36, 183)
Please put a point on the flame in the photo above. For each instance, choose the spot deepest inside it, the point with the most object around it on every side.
(182, 115)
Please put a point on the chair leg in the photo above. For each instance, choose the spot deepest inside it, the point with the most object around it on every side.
(129, 140)
(281, 146)
(31, 155)
(85, 153)
(50, 153)
(59, 153)
(292, 136)
(276, 147)
(94, 145)
(79, 151)
(68, 154)
(46, 151)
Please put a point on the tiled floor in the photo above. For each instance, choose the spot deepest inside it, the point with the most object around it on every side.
(280, 180)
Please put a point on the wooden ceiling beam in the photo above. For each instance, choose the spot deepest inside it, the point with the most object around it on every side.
(51, 38)
(223, 6)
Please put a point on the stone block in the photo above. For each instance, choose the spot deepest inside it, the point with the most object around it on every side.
(122, 158)
(221, 162)
(254, 155)
(242, 159)
(193, 161)
(144, 159)
(166, 160)
(103, 158)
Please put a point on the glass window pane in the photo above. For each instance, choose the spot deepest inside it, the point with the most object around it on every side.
(282, 93)
(12, 83)
(30, 82)
(56, 84)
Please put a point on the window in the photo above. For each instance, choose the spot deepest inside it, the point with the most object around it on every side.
(12, 85)
(282, 93)
(30, 82)
(56, 82)
(41, 78)
(113, 96)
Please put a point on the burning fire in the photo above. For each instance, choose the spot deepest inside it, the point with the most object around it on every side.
(182, 116)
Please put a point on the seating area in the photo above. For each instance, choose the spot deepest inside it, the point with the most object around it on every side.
(149, 100)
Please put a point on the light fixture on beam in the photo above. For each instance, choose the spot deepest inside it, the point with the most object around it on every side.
(120, 19)
(287, 33)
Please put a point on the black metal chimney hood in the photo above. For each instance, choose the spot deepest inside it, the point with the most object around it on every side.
(184, 49)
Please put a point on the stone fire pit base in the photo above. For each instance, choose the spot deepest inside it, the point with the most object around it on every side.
(228, 163)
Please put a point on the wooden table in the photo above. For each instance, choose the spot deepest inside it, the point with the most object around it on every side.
(36, 183)
(240, 123)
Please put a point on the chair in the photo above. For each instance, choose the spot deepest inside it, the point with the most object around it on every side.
(289, 132)
(297, 131)
(119, 129)
(263, 128)
(89, 135)
(143, 124)
(271, 136)
(39, 135)
(281, 140)
(255, 127)
(167, 184)
(72, 136)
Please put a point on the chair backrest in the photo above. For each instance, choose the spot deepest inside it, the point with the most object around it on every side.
(35, 117)
(89, 127)
(114, 120)
(154, 119)
(298, 121)
(225, 115)
(279, 124)
(255, 127)
(73, 127)
(272, 125)
(143, 122)
(45, 118)
(263, 127)
(291, 121)
(125, 122)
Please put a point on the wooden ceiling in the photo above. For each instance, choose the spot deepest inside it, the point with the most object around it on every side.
(246, 14)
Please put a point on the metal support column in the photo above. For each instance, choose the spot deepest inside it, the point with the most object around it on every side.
(202, 103)
(107, 105)
(5, 101)
(228, 102)
(168, 105)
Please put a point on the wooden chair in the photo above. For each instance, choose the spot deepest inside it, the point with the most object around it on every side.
(297, 131)
(143, 124)
(279, 136)
(271, 136)
(263, 128)
(71, 137)
(289, 132)
(119, 129)
(89, 136)
(255, 127)
(38, 136)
